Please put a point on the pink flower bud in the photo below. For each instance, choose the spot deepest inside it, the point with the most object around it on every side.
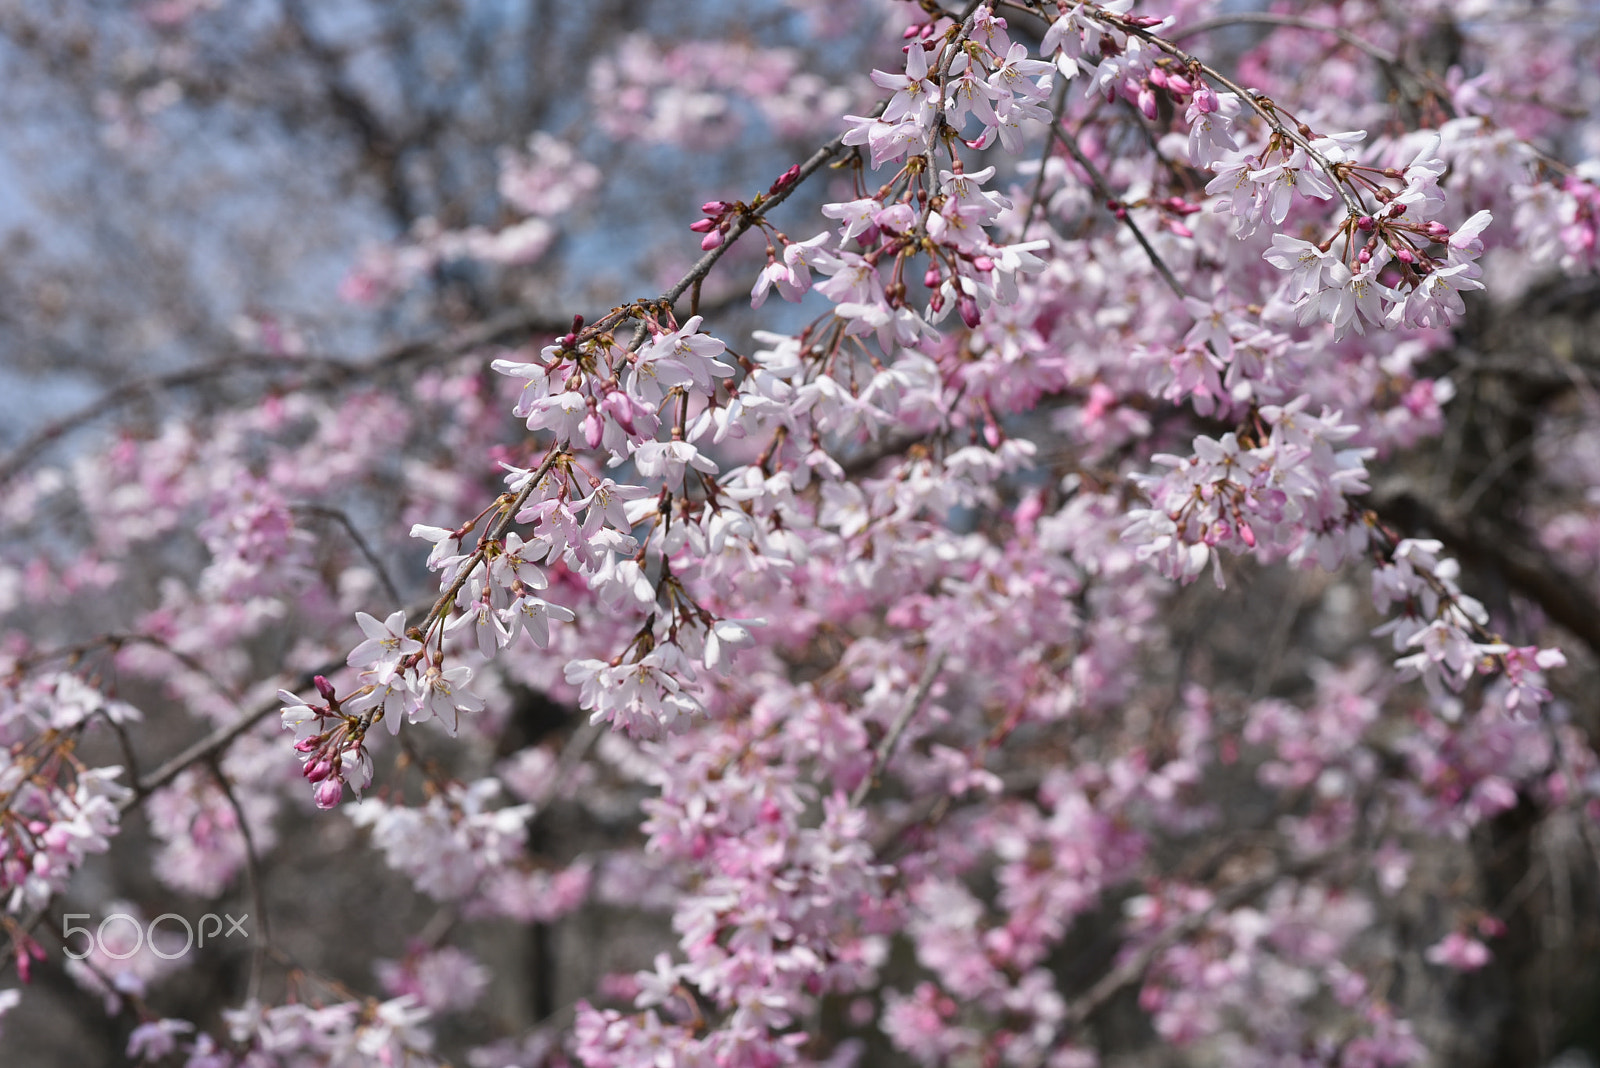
(317, 770)
(1247, 535)
(619, 408)
(1364, 256)
(1178, 85)
(1405, 256)
(982, 263)
(593, 428)
(931, 279)
(1366, 224)
(328, 793)
(1158, 76)
(786, 178)
(969, 310)
(701, 226)
(1146, 100)
(711, 241)
(324, 687)
(714, 207)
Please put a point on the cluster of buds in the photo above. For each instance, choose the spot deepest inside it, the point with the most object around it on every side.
(719, 214)
(330, 755)
(1178, 85)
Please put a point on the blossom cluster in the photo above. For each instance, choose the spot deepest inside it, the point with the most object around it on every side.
(870, 640)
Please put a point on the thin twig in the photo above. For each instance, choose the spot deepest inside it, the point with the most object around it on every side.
(1298, 22)
(1133, 968)
(1104, 193)
(880, 759)
(343, 520)
(252, 871)
(1056, 106)
(325, 369)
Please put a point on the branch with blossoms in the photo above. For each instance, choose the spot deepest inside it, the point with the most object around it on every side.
(875, 619)
(1281, 491)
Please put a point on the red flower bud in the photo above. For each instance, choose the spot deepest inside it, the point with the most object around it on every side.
(786, 178)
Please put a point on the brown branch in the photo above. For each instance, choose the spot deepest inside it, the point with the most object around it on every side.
(326, 371)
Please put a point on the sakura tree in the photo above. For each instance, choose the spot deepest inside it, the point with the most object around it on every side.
(1089, 558)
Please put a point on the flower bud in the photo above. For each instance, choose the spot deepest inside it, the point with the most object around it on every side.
(711, 241)
(593, 428)
(617, 405)
(324, 687)
(786, 178)
(328, 793)
(968, 308)
(701, 226)
(1146, 100)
